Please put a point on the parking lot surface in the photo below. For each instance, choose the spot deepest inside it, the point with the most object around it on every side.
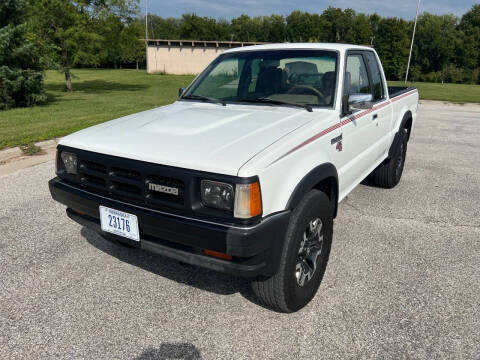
(403, 279)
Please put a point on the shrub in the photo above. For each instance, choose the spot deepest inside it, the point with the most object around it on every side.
(21, 71)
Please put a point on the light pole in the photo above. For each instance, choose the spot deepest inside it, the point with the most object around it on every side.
(146, 33)
(411, 44)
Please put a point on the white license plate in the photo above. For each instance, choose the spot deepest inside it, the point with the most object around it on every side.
(119, 223)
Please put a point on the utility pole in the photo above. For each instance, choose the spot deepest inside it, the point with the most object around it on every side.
(411, 44)
(146, 33)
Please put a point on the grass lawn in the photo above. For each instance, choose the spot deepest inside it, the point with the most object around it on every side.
(98, 96)
(101, 95)
(457, 93)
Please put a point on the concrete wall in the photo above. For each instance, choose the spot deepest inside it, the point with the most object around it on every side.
(176, 59)
(185, 56)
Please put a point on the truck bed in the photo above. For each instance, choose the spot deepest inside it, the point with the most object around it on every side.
(395, 91)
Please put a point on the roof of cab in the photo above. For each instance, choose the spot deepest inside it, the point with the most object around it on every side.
(303, 46)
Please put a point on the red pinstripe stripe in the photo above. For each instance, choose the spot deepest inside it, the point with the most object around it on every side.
(343, 123)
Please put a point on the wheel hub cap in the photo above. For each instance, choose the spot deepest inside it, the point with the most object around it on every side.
(310, 249)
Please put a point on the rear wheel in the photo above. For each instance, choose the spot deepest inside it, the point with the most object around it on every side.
(304, 258)
(389, 173)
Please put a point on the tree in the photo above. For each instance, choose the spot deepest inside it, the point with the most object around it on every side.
(392, 42)
(160, 28)
(470, 26)
(273, 28)
(69, 29)
(21, 68)
(245, 28)
(361, 30)
(338, 24)
(302, 26)
(111, 28)
(132, 47)
(435, 41)
(197, 28)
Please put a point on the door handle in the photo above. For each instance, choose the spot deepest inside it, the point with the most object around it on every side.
(375, 117)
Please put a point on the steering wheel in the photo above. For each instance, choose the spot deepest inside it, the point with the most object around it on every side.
(317, 93)
(292, 78)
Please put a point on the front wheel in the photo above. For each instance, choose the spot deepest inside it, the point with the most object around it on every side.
(304, 257)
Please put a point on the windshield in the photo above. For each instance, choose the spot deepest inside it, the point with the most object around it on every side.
(295, 77)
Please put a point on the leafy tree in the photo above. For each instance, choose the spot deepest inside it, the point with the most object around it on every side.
(392, 42)
(195, 27)
(21, 68)
(361, 30)
(302, 26)
(111, 29)
(160, 28)
(132, 47)
(245, 28)
(435, 41)
(470, 26)
(273, 28)
(338, 24)
(69, 30)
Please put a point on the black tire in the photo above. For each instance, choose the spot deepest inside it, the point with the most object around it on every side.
(389, 173)
(282, 292)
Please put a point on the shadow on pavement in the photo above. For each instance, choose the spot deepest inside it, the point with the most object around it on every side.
(197, 277)
(171, 351)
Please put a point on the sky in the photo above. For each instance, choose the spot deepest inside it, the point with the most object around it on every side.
(228, 9)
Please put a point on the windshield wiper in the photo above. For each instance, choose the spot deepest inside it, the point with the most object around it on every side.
(204, 98)
(266, 100)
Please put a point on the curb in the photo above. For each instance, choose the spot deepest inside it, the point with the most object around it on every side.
(13, 159)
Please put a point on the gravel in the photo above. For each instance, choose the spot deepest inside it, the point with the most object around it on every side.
(403, 279)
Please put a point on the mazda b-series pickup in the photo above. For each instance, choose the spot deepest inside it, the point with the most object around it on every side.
(244, 172)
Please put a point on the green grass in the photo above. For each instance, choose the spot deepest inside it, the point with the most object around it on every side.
(457, 93)
(98, 96)
(101, 95)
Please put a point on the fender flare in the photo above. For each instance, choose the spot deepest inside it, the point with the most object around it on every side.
(316, 175)
(406, 117)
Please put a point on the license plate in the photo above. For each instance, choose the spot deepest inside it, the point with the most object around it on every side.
(119, 223)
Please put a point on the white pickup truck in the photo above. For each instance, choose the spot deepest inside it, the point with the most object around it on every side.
(244, 173)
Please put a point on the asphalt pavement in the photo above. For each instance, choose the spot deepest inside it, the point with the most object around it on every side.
(403, 279)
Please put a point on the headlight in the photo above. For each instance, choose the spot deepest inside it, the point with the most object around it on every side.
(217, 194)
(246, 201)
(70, 162)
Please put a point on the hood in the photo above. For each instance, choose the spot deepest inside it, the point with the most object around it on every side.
(199, 136)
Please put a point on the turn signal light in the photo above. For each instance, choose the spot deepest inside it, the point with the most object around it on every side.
(79, 212)
(217, 254)
(248, 200)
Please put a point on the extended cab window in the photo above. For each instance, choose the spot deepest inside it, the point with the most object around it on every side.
(356, 76)
(378, 90)
(303, 77)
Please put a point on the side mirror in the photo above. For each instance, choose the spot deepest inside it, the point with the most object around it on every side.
(360, 101)
(181, 91)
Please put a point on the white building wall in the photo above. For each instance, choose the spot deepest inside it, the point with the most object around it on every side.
(180, 60)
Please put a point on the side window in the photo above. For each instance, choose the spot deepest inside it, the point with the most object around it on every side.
(356, 77)
(378, 90)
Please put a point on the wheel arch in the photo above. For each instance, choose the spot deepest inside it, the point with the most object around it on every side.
(323, 177)
(406, 123)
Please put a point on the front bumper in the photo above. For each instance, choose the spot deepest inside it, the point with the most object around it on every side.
(255, 250)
